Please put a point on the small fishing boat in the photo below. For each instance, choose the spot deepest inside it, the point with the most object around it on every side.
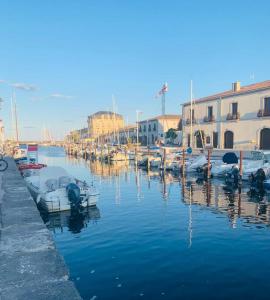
(55, 190)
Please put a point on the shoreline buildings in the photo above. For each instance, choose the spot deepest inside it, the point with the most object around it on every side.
(153, 130)
(235, 119)
(103, 123)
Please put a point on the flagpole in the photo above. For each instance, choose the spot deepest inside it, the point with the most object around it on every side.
(191, 115)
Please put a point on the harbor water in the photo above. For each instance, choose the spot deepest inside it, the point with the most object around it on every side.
(155, 236)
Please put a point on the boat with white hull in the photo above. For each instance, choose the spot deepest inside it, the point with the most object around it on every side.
(54, 190)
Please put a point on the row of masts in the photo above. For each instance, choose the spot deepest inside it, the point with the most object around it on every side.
(46, 134)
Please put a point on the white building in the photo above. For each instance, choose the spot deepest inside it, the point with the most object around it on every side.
(235, 119)
(153, 130)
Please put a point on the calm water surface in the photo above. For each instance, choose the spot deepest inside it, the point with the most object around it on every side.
(154, 237)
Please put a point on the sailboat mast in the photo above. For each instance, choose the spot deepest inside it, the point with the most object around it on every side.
(113, 119)
(16, 117)
(191, 113)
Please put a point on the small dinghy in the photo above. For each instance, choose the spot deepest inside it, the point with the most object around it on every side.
(55, 190)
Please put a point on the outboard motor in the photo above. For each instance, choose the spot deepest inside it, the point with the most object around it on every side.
(73, 193)
(257, 180)
(233, 176)
(203, 170)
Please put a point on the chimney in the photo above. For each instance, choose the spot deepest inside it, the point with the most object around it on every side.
(236, 86)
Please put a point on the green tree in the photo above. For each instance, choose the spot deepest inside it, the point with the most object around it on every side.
(171, 134)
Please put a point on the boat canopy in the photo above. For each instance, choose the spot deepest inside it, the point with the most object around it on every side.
(230, 158)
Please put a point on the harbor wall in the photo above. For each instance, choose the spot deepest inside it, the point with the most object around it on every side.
(30, 265)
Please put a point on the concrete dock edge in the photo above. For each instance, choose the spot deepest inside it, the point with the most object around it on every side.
(30, 265)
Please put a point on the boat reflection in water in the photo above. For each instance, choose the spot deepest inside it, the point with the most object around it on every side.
(237, 203)
(107, 170)
(75, 220)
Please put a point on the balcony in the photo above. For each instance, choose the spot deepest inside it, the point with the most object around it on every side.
(209, 119)
(263, 113)
(233, 116)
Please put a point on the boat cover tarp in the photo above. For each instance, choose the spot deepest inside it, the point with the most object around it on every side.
(230, 158)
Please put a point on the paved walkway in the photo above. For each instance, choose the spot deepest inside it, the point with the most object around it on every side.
(30, 266)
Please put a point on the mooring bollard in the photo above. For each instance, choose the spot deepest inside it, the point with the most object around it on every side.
(208, 165)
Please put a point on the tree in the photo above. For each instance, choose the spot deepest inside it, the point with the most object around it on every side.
(171, 134)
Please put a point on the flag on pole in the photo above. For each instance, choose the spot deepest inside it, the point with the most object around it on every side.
(163, 90)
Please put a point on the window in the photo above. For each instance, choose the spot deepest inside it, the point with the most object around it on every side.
(140, 130)
(210, 112)
(192, 113)
(215, 139)
(149, 127)
(267, 106)
(154, 127)
(234, 108)
(144, 128)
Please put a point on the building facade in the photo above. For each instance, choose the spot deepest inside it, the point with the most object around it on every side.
(104, 122)
(235, 119)
(123, 136)
(153, 131)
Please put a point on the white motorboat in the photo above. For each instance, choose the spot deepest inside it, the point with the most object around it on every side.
(155, 162)
(259, 159)
(54, 190)
(118, 156)
(193, 164)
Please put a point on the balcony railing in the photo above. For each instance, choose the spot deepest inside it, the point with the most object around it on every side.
(188, 121)
(233, 116)
(208, 119)
(263, 113)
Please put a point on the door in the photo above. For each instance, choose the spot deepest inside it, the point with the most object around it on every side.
(265, 139)
(215, 139)
(199, 141)
(228, 139)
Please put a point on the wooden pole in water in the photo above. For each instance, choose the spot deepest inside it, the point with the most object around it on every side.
(208, 165)
(136, 159)
(241, 163)
(183, 161)
(164, 159)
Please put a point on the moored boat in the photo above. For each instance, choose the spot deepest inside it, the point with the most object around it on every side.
(54, 189)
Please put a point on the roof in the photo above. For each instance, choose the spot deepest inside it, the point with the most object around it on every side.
(104, 112)
(243, 90)
(163, 117)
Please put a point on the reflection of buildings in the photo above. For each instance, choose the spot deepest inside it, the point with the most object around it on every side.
(232, 203)
(107, 170)
(74, 220)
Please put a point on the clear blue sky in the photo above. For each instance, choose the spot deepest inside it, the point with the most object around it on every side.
(78, 53)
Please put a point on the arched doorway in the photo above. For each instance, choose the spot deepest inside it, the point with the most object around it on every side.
(228, 139)
(265, 139)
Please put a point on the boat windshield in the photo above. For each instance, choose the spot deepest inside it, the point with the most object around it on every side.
(257, 155)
